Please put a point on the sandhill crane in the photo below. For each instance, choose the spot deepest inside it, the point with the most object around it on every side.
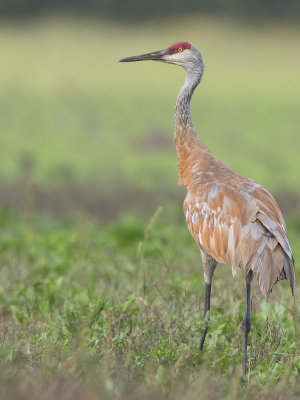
(234, 220)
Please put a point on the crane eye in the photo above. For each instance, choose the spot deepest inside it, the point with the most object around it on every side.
(180, 50)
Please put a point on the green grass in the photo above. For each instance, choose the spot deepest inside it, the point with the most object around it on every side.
(71, 110)
(115, 312)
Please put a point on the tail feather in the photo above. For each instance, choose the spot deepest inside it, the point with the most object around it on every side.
(289, 271)
(270, 266)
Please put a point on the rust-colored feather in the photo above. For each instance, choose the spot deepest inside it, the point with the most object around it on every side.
(233, 219)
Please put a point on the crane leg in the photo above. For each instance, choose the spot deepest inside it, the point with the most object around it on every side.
(246, 322)
(209, 265)
(206, 310)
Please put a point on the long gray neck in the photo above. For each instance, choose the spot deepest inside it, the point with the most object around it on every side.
(182, 107)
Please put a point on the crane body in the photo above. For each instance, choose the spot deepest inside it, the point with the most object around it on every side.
(233, 219)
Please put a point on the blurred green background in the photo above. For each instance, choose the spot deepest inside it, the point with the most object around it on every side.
(80, 130)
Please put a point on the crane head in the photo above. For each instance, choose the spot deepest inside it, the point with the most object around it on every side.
(184, 54)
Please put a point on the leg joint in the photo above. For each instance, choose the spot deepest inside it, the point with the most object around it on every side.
(246, 325)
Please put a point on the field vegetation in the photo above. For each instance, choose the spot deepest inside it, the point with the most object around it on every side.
(101, 285)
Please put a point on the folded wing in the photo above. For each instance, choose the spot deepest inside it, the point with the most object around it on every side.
(240, 224)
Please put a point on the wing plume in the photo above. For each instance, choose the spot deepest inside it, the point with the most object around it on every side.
(238, 223)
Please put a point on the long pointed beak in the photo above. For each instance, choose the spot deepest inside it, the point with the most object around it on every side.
(156, 56)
